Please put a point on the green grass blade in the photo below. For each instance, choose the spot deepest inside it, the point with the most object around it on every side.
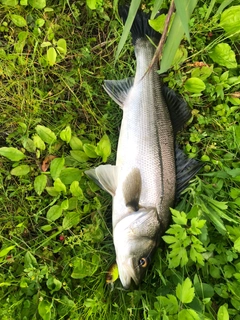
(209, 10)
(223, 5)
(156, 6)
(131, 15)
(175, 36)
(183, 14)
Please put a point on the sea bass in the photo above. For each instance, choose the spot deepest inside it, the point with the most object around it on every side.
(150, 169)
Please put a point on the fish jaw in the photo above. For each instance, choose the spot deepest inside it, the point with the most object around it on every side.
(135, 238)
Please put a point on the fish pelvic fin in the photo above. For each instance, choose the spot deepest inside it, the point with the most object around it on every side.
(177, 107)
(186, 169)
(131, 188)
(118, 90)
(105, 176)
(140, 27)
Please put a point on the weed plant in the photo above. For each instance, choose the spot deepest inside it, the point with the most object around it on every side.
(56, 121)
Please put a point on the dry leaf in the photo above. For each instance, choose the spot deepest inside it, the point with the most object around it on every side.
(46, 162)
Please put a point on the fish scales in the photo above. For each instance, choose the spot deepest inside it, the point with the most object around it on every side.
(146, 138)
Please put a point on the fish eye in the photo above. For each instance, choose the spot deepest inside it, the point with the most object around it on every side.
(143, 262)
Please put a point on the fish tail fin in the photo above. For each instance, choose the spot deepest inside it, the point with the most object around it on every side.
(140, 27)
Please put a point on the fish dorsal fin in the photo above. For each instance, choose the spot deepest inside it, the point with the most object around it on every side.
(105, 176)
(118, 89)
(132, 189)
(178, 108)
(186, 169)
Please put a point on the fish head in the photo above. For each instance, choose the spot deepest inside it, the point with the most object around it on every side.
(135, 238)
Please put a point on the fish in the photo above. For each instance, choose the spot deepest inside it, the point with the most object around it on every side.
(151, 170)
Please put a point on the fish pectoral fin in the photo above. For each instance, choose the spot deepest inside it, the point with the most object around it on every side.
(186, 169)
(177, 107)
(118, 89)
(105, 176)
(132, 189)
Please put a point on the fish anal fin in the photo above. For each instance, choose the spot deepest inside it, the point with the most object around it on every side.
(105, 176)
(118, 90)
(186, 169)
(177, 107)
(132, 189)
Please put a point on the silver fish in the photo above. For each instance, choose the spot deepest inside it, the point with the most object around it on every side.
(147, 177)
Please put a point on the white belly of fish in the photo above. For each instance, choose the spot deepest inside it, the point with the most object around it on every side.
(146, 142)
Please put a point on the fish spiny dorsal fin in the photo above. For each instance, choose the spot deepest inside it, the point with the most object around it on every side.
(186, 169)
(132, 189)
(177, 107)
(118, 90)
(105, 176)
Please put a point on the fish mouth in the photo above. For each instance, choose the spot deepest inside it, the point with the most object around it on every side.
(127, 281)
(128, 275)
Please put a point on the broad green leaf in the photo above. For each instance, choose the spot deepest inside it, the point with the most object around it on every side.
(180, 56)
(84, 268)
(19, 21)
(194, 85)
(181, 6)
(223, 55)
(222, 313)
(237, 244)
(79, 155)
(90, 150)
(66, 134)
(202, 72)
(76, 190)
(56, 167)
(54, 213)
(185, 291)
(46, 134)
(37, 4)
(12, 154)
(10, 3)
(38, 142)
(103, 148)
(54, 284)
(73, 203)
(158, 23)
(230, 20)
(40, 183)
(46, 44)
(44, 309)
(204, 290)
(62, 46)
(126, 29)
(23, 2)
(39, 22)
(51, 56)
(30, 261)
(29, 144)
(59, 186)
(21, 170)
(52, 191)
(169, 303)
(76, 143)
(71, 219)
(92, 4)
(46, 227)
(188, 314)
(68, 175)
(5, 251)
(175, 36)
(65, 204)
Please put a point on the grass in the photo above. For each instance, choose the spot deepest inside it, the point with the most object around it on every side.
(55, 225)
